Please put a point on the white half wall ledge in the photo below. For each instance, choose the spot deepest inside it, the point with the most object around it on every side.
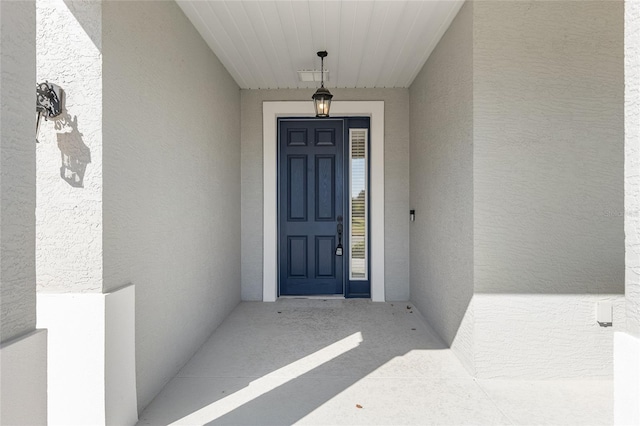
(626, 386)
(550, 336)
(271, 110)
(23, 380)
(91, 360)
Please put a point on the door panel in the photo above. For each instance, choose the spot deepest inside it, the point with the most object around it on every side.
(310, 203)
(297, 256)
(297, 187)
(325, 252)
(325, 177)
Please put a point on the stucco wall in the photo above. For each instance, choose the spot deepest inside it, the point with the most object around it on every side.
(548, 147)
(543, 336)
(627, 345)
(442, 181)
(23, 350)
(17, 169)
(632, 165)
(547, 140)
(396, 183)
(69, 204)
(548, 186)
(171, 183)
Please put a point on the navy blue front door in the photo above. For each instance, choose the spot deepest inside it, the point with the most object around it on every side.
(311, 206)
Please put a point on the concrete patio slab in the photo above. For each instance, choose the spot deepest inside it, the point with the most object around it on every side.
(553, 402)
(339, 362)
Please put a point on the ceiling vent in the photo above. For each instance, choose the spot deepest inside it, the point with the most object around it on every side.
(312, 75)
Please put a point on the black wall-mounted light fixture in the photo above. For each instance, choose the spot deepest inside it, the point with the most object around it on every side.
(49, 102)
(322, 97)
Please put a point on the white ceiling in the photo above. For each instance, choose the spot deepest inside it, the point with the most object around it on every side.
(370, 43)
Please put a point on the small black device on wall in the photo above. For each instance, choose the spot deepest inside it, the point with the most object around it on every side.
(412, 215)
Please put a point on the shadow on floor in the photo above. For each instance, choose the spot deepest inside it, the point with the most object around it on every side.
(276, 363)
(295, 399)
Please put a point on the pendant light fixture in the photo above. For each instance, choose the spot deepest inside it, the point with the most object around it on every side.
(322, 97)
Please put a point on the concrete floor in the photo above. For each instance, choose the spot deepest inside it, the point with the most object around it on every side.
(346, 362)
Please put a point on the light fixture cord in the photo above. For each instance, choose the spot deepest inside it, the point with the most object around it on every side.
(322, 72)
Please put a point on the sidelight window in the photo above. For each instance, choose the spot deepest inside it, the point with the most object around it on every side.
(358, 204)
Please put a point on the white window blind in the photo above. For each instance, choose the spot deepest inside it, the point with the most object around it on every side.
(358, 204)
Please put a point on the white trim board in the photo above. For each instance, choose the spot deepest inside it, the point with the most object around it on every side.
(270, 113)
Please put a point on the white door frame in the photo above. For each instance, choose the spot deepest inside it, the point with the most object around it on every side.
(270, 113)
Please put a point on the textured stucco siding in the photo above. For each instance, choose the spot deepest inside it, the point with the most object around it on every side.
(545, 148)
(632, 165)
(171, 183)
(548, 186)
(23, 384)
(442, 183)
(396, 132)
(548, 147)
(23, 350)
(627, 345)
(543, 336)
(17, 168)
(69, 211)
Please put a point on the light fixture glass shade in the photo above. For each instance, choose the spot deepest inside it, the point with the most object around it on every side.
(322, 102)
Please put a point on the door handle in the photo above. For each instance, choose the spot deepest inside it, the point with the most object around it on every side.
(339, 249)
